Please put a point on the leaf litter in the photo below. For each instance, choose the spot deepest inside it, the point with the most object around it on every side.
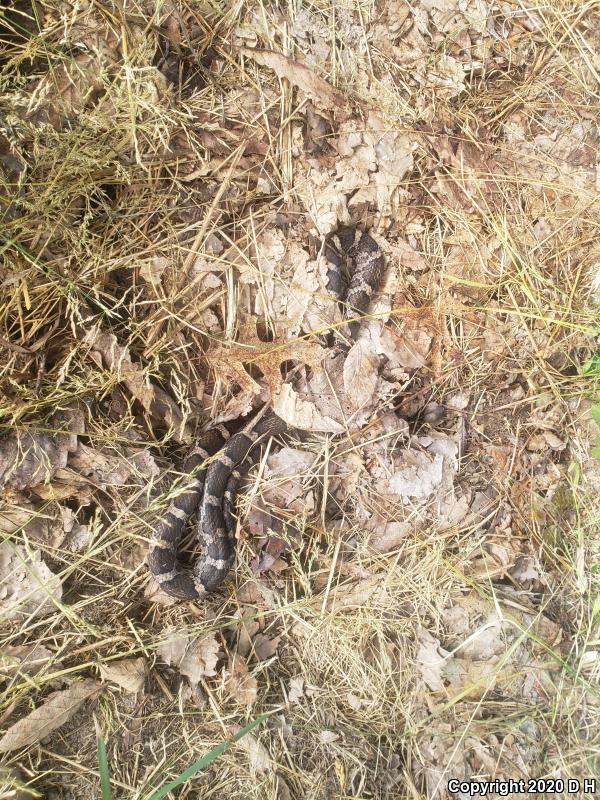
(422, 548)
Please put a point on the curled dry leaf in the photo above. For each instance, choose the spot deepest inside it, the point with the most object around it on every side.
(128, 673)
(240, 685)
(57, 709)
(27, 585)
(194, 656)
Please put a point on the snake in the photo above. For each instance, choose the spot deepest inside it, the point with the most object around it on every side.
(213, 468)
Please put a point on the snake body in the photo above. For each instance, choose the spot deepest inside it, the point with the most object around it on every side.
(213, 464)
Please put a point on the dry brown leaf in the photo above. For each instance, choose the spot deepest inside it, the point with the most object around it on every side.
(304, 414)
(248, 629)
(57, 709)
(62, 93)
(151, 271)
(387, 535)
(416, 474)
(194, 656)
(257, 753)
(360, 372)
(111, 468)
(321, 93)
(128, 673)
(18, 518)
(55, 526)
(348, 596)
(286, 476)
(27, 585)
(240, 685)
(26, 659)
(29, 457)
(152, 591)
(105, 350)
(265, 647)
(296, 689)
(228, 361)
(372, 162)
(406, 346)
(472, 679)
(430, 659)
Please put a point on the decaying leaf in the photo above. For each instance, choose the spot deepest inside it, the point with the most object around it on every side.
(194, 656)
(27, 585)
(105, 350)
(417, 474)
(26, 659)
(128, 673)
(296, 689)
(17, 518)
(240, 684)
(29, 457)
(286, 474)
(248, 629)
(360, 371)
(111, 468)
(265, 647)
(258, 755)
(54, 525)
(386, 535)
(320, 92)
(430, 660)
(229, 360)
(57, 709)
(61, 94)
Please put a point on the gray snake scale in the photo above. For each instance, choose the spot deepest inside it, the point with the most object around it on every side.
(213, 462)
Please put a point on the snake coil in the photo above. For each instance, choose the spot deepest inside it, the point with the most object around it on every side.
(213, 462)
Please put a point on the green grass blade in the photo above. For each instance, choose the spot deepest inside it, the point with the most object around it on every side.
(203, 762)
(103, 769)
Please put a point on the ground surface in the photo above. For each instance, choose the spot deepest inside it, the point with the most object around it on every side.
(416, 593)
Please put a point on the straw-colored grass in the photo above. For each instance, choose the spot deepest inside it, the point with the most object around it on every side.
(149, 165)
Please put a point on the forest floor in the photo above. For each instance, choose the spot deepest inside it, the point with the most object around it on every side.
(416, 593)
